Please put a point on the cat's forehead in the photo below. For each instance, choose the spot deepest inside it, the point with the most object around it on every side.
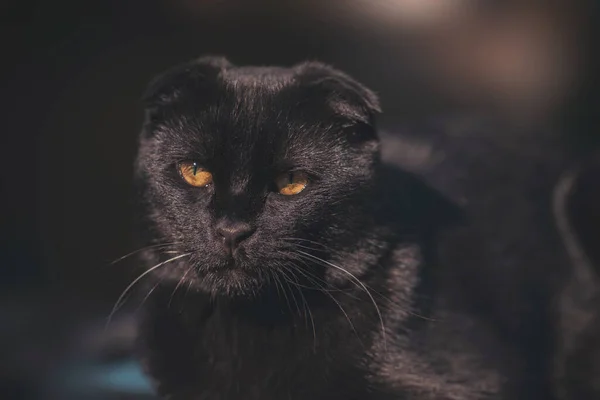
(258, 106)
(260, 120)
(211, 108)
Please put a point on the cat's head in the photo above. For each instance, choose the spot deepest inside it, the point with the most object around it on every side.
(249, 171)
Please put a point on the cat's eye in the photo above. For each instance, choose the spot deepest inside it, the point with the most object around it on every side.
(291, 183)
(193, 174)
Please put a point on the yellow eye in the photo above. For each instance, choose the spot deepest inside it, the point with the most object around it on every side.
(195, 175)
(291, 183)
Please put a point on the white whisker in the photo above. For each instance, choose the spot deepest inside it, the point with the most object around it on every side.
(384, 297)
(128, 288)
(325, 291)
(287, 300)
(153, 246)
(306, 306)
(181, 280)
(148, 295)
(289, 282)
(292, 239)
(357, 281)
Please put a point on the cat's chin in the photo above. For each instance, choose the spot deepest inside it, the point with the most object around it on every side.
(231, 282)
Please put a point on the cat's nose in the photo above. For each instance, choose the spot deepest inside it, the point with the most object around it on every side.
(233, 232)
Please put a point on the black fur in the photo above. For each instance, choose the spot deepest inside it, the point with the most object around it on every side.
(337, 293)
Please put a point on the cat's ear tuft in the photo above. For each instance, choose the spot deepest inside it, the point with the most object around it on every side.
(171, 85)
(344, 95)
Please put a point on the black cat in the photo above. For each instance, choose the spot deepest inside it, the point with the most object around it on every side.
(290, 263)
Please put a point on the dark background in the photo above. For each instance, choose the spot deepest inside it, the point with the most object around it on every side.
(72, 73)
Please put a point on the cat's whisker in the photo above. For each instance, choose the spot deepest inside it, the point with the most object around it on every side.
(284, 292)
(312, 321)
(399, 305)
(323, 289)
(291, 270)
(384, 297)
(290, 282)
(305, 261)
(306, 247)
(187, 291)
(326, 292)
(148, 295)
(119, 302)
(387, 299)
(362, 285)
(181, 280)
(273, 275)
(294, 239)
(294, 285)
(153, 246)
(287, 300)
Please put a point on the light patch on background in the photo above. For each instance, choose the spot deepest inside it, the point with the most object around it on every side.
(417, 12)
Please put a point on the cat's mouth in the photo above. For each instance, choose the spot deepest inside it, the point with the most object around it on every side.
(231, 264)
(231, 279)
(227, 262)
(231, 274)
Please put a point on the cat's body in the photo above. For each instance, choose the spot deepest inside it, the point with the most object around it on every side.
(199, 349)
(332, 293)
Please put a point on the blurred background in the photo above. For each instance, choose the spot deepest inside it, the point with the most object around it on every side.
(72, 75)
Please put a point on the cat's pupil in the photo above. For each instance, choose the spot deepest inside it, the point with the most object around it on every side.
(290, 178)
(195, 168)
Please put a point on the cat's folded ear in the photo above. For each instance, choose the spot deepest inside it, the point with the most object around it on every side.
(344, 95)
(173, 84)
